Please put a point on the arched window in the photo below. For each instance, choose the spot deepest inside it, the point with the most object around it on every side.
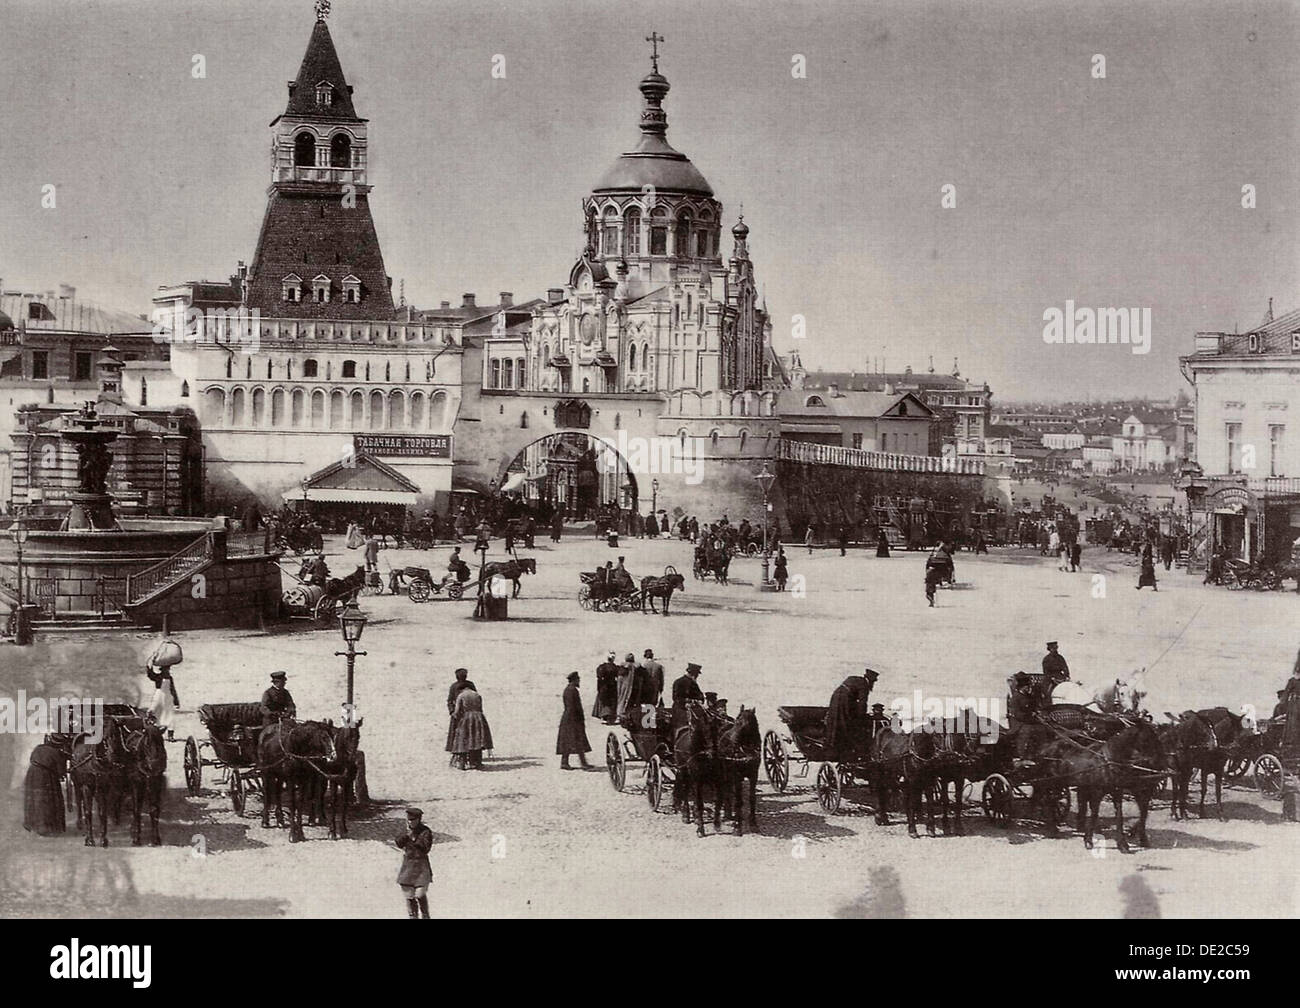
(349, 369)
(318, 410)
(297, 408)
(437, 407)
(814, 400)
(356, 411)
(337, 404)
(609, 233)
(586, 385)
(417, 411)
(682, 240)
(523, 420)
(658, 231)
(591, 228)
(214, 407)
(396, 410)
(309, 368)
(304, 150)
(237, 407)
(277, 408)
(340, 151)
(376, 410)
(632, 232)
(631, 358)
(259, 407)
(645, 356)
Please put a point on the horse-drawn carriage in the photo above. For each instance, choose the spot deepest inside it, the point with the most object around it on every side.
(600, 594)
(233, 731)
(712, 559)
(804, 744)
(300, 538)
(419, 584)
(308, 601)
(711, 749)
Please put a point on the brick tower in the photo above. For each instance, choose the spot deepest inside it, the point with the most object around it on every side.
(318, 255)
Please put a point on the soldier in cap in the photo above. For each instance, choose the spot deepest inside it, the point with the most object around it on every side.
(277, 702)
(415, 874)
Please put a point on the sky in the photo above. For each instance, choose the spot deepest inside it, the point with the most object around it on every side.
(1116, 192)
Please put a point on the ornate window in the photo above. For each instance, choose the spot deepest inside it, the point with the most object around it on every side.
(320, 288)
(185, 390)
(291, 288)
(351, 289)
(325, 94)
(632, 232)
(631, 358)
(682, 240)
(658, 231)
(340, 151)
(609, 233)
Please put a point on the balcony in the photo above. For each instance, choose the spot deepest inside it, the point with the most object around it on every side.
(301, 173)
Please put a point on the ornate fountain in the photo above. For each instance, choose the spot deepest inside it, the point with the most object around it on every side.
(91, 507)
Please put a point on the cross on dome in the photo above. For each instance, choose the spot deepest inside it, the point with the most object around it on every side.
(654, 38)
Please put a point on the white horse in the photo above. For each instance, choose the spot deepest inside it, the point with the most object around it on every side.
(1123, 696)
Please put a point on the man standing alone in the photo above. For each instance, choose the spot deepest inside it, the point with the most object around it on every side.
(415, 874)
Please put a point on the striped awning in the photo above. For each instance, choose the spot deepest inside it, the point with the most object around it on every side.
(332, 495)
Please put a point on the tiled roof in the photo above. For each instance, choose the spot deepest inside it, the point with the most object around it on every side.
(320, 64)
(67, 314)
(790, 402)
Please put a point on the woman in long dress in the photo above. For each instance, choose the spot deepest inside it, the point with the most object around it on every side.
(470, 733)
(1148, 575)
(43, 809)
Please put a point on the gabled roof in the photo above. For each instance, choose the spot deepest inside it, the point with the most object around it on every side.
(320, 64)
(791, 403)
(360, 472)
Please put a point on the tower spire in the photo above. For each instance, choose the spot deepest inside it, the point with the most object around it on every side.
(654, 38)
(322, 10)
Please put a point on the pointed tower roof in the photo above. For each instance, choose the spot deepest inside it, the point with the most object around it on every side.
(320, 65)
(654, 162)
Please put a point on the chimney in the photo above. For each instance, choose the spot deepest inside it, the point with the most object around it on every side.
(467, 301)
(241, 270)
(555, 295)
(67, 291)
(834, 390)
(444, 304)
(507, 299)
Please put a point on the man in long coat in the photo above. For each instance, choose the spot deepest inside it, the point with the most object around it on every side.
(848, 717)
(685, 689)
(653, 687)
(606, 690)
(1290, 748)
(415, 874)
(573, 727)
(628, 694)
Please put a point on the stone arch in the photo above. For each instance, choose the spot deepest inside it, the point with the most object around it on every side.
(416, 419)
(214, 407)
(259, 407)
(318, 409)
(357, 410)
(338, 410)
(341, 150)
(238, 400)
(304, 149)
(438, 405)
(298, 408)
(277, 407)
(397, 409)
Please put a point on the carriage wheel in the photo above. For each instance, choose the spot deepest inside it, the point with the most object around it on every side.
(1268, 775)
(615, 762)
(456, 590)
(654, 783)
(776, 762)
(420, 590)
(193, 768)
(236, 791)
(828, 788)
(996, 800)
(584, 597)
(1236, 767)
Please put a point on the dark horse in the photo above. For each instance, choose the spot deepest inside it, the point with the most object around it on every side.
(1132, 761)
(511, 570)
(740, 753)
(695, 757)
(292, 753)
(1202, 740)
(902, 760)
(130, 756)
(145, 773)
(341, 774)
(660, 587)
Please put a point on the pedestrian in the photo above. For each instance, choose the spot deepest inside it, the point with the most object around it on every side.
(844, 539)
(355, 540)
(1214, 569)
(572, 738)
(461, 682)
(470, 732)
(627, 681)
(510, 537)
(1076, 551)
(695, 529)
(654, 679)
(557, 525)
(882, 543)
(606, 690)
(663, 524)
(415, 874)
(782, 569)
(933, 575)
(808, 537)
(43, 810)
(1167, 551)
(372, 554)
(1148, 575)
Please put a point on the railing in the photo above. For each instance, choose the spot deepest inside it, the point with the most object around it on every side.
(858, 458)
(319, 173)
(1275, 485)
(142, 584)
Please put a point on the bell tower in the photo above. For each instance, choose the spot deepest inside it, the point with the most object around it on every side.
(318, 255)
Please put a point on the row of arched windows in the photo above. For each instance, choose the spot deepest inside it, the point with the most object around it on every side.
(626, 236)
(321, 409)
(340, 150)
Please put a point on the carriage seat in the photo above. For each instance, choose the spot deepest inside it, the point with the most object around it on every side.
(807, 721)
(223, 718)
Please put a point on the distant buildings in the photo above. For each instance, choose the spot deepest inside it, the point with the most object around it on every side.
(1245, 499)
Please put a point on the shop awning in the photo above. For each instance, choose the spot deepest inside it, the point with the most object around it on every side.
(348, 496)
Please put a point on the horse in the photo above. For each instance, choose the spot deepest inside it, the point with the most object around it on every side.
(712, 557)
(695, 757)
(292, 753)
(345, 589)
(1133, 761)
(1203, 740)
(921, 763)
(1124, 696)
(145, 773)
(98, 774)
(956, 748)
(740, 756)
(660, 587)
(511, 570)
(341, 774)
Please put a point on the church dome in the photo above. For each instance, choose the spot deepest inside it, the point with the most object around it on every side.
(653, 162)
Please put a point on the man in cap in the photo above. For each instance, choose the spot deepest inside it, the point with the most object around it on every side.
(415, 874)
(686, 689)
(277, 702)
(1054, 664)
(848, 722)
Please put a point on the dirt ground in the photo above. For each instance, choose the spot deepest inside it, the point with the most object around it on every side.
(524, 839)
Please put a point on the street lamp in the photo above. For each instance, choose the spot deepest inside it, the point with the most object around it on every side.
(766, 479)
(654, 496)
(18, 532)
(352, 623)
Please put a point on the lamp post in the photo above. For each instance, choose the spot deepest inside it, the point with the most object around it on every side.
(654, 496)
(18, 532)
(765, 479)
(352, 623)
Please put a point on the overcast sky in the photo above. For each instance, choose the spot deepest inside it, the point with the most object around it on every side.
(1123, 192)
